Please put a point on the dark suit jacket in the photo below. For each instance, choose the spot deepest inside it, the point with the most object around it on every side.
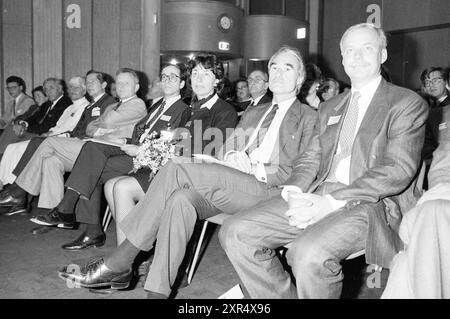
(40, 123)
(438, 119)
(202, 139)
(177, 115)
(385, 161)
(295, 134)
(89, 115)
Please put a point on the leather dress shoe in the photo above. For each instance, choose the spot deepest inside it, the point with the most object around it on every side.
(55, 218)
(95, 274)
(10, 204)
(85, 241)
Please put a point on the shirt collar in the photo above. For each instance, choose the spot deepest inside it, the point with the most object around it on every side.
(210, 103)
(96, 99)
(285, 104)
(57, 100)
(171, 101)
(80, 102)
(259, 98)
(18, 98)
(156, 100)
(368, 90)
(129, 99)
(442, 98)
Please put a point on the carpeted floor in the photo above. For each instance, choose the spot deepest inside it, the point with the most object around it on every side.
(29, 264)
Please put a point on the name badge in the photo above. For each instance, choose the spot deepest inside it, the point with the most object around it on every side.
(95, 111)
(333, 120)
(443, 126)
(188, 124)
(165, 118)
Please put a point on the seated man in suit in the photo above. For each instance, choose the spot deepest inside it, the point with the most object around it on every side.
(98, 163)
(258, 85)
(20, 102)
(346, 193)
(10, 169)
(43, 175)
(258, 158)
(435, 80)
(422, 269)
(42, 120)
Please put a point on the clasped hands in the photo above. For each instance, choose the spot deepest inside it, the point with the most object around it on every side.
(306, 209)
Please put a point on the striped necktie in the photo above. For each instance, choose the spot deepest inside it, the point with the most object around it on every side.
(347, 135)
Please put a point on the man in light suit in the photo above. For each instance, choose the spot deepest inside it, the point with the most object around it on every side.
(44, 173)
(422, 269)
(20, 103)
(258, 157)
(346, 193)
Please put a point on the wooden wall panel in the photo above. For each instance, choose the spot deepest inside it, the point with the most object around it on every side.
(78, 42)
(16, 43)
(130, 34)
(47, 39)
(106, 35)
(407, 14)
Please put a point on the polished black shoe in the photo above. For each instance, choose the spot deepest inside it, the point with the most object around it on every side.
(7, 200)
(56, 219)
(84, 242)
(95, 274)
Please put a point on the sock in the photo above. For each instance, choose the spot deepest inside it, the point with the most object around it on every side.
(93, 230)
(67, 205)
(122, 258)
(16, 191)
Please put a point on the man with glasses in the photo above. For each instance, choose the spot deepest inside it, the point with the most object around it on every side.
(20, 102)
(258, 85)
(435, 80)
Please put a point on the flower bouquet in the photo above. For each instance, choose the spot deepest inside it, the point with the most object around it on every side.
(154, 152)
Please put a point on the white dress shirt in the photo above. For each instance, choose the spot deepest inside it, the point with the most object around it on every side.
(70, 117)
(262, 154)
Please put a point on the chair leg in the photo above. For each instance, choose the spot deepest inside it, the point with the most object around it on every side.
(197, 252)
(106, 219)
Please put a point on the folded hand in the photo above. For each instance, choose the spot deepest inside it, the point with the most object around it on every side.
(309, 209)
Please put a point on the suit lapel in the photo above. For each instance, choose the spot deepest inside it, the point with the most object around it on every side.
(290, 122)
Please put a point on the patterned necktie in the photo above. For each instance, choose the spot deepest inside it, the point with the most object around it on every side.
(263, 130)
(14, 108)
(347, 135)
(149, 124)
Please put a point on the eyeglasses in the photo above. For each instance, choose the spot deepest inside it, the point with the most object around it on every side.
(257, 80)
(12, 87)
(171, 77)
(433, 81)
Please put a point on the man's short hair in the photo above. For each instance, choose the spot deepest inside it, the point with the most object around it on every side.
(99, 75)
(57, 81)
(184, 74)
(80, 80)
(264, 73)
(18, 80)
(295, 52)
(382, 40)
(426, 73)
(132, 72)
